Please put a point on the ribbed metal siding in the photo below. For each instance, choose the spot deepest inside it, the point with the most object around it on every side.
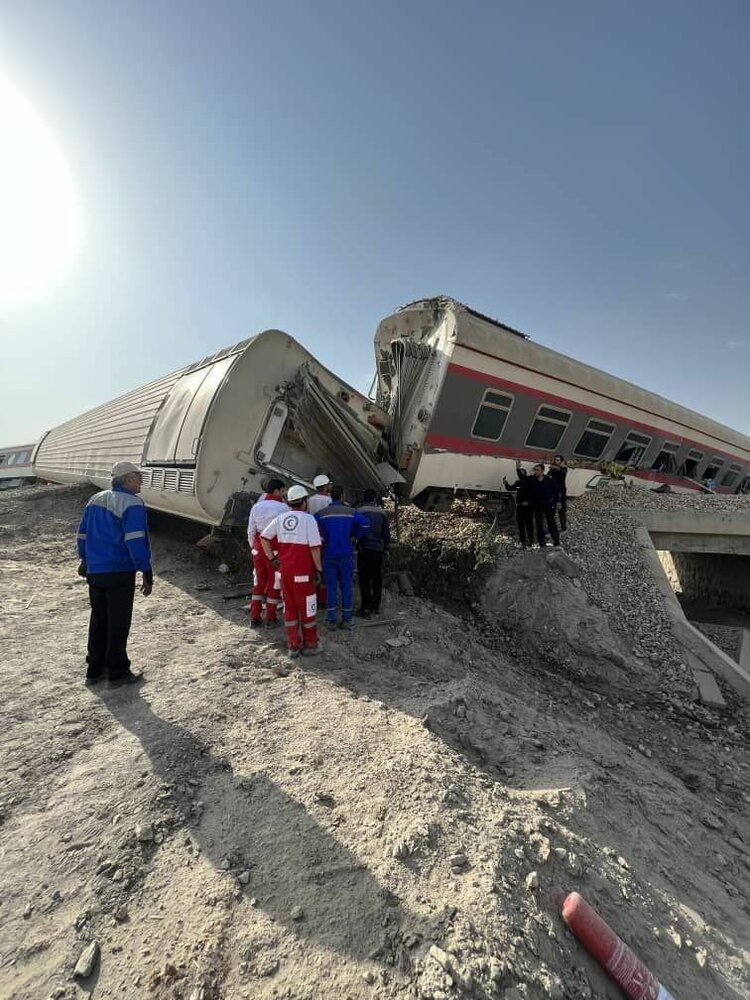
(89, 445)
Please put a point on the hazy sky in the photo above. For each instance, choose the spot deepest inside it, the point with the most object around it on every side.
(580, 170)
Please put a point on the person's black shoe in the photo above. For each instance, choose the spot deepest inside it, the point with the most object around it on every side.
(92, 679)
(256, 622)
(128, 678)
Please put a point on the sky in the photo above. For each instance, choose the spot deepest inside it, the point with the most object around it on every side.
(578, 170)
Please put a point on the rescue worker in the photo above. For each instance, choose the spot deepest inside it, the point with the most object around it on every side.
(320, 499)
(266, 580)
(524, 509)
(295, 537)
(558, 473)
(340, 527)
(322, 496)
(544, 497)
(372, 551)
(113, 546)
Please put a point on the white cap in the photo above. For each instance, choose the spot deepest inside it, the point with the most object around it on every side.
(297, 493)
(321, 480)
(120, 469)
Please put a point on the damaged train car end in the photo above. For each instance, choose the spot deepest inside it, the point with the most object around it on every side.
(208, 436)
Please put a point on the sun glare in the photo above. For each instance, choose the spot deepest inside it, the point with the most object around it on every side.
(39, 219)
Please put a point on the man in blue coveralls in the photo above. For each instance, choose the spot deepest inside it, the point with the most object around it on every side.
(113, 546)
(340, 528)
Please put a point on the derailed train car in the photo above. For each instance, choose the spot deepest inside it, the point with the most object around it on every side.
(469, 396)
(208, 435)
(15, 465)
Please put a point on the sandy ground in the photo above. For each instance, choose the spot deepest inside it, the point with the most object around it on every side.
(391, 819)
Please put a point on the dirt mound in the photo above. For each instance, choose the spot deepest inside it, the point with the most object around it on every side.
(539, 596)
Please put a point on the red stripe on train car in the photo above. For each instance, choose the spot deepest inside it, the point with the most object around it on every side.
(569, 404)
(574, 385)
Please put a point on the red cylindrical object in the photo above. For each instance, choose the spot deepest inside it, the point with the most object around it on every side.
(614, 956)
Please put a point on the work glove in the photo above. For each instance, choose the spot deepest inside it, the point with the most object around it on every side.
(148, 584)
(275, 562)
(318, 578)
(82, 568)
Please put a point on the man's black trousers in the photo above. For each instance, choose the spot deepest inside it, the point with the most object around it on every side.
(370, 570)
(525, 522)
(542, 513)
(111, 596)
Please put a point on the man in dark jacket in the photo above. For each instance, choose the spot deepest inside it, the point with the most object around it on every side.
(372, 551)
(340, 528)
(544, 498)
(113, 546)
(558, 473)
(524, 509)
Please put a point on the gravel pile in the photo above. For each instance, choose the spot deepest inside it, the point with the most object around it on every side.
(452, 557)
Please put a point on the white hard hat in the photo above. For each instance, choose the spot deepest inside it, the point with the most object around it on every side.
(120, 469)
(297, 493)
(321, 480)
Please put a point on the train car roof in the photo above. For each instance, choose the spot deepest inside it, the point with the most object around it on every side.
(446, 302)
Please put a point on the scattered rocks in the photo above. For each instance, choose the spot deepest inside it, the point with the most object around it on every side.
(532, 881)
(87, 961)
(144, 833)
(297, 913)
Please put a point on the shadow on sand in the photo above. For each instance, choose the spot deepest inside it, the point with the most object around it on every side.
(293, 861)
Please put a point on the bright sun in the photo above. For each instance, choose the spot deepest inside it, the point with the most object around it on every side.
(39, 218)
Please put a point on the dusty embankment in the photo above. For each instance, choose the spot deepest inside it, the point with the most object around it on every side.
(400, 817)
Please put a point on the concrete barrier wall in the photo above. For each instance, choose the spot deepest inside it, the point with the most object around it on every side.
(700, 654)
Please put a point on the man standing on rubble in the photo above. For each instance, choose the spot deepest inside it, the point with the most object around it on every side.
(295, 538)
(372, 552)
(340, 528)
(523, 488)
(266, 580)
(322, 496)
(113, 546)
(544, 497)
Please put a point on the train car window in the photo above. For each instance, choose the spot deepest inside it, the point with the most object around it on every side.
(689, 467)
(713, 468)
(633, 449)
(730, 477)
(2, 459)
(665, 461)
(594, 439)
(491, 416)
(548, 427)
(745, 488)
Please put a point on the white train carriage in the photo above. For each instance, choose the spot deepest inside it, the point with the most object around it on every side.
(469, 396)
(207, 436)
(15, 464)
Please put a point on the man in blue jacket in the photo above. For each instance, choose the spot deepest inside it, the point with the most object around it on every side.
(340, 528)
(113, 546)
